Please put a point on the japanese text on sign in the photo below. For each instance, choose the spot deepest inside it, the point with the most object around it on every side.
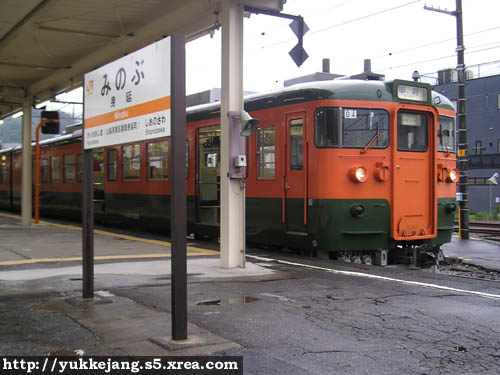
(128, 100)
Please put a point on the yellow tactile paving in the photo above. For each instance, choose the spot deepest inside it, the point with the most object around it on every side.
(197, 251)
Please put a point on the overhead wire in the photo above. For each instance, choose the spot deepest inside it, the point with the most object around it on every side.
(439, 58)
(312, 32)
(364, 17)
(427, 45)
(308, 16)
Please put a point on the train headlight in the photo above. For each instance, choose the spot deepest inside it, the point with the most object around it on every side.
(452, 176)
(358, 174)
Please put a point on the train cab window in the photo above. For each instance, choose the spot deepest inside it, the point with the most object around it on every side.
(44, 171)
(55, 169)
(446, 134)
(131, 158)
(157, 160)
(112, 165)
(351, 127)
(296, 145)
(327, 127)
(69, 168)
(79, 168)
(266, 163)
(412, 132)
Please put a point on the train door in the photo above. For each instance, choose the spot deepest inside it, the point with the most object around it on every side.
(208, 176)
(295, 176)
(414, 189)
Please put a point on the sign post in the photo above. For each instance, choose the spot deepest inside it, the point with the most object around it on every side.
(140, 97)
(178, 204)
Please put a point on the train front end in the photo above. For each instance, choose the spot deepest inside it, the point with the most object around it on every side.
(391, 196)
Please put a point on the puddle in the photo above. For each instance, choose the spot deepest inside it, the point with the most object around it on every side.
(228, 301)
(104, 293)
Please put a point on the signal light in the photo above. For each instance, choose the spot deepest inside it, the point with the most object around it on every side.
(358, 174)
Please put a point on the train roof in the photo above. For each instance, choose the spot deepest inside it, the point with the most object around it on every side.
(58, 139)
(342, 89)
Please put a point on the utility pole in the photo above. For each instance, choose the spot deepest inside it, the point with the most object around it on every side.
(462, 126)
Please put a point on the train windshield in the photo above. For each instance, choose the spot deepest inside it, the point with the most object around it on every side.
(446, 134)
(412, 132)
(351, 127)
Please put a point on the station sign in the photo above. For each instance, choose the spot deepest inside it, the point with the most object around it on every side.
(128, 100)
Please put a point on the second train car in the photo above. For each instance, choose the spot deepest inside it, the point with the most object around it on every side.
(344, 168)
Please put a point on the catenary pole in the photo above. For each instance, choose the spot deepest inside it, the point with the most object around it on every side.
(461, 120)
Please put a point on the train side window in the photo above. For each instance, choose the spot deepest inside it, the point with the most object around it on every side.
(44, 171)
(446, 134)
(296, 145)
(69, 168)
(79, 168)
(4, 171)
(412, 132)
(187, 159)
(131, 158)
(112, 165)
(55, 169)
(157, 160)
(266, 162)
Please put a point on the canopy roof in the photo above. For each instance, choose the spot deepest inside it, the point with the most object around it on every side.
(46, 46)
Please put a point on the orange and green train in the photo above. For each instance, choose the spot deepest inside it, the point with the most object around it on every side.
(344, 168)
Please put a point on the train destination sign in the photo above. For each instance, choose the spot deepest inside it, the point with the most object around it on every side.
(128, 100)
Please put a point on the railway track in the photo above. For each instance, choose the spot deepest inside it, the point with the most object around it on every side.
(483, 227)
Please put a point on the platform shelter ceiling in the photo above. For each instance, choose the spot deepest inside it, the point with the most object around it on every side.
(46, 46)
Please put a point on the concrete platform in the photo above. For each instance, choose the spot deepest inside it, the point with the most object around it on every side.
(480, 253)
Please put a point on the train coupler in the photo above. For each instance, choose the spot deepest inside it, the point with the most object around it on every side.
(419, 256)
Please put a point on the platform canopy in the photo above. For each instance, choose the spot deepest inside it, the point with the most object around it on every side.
(46, 46)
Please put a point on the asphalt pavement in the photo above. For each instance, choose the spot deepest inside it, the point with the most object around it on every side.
(284, 314)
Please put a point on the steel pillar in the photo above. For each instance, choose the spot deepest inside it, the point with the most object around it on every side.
(26, 189)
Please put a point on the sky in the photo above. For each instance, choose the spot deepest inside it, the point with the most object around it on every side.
(399, 36)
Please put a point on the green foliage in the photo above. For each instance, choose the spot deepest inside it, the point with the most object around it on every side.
(495, 215)
(11, 130)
